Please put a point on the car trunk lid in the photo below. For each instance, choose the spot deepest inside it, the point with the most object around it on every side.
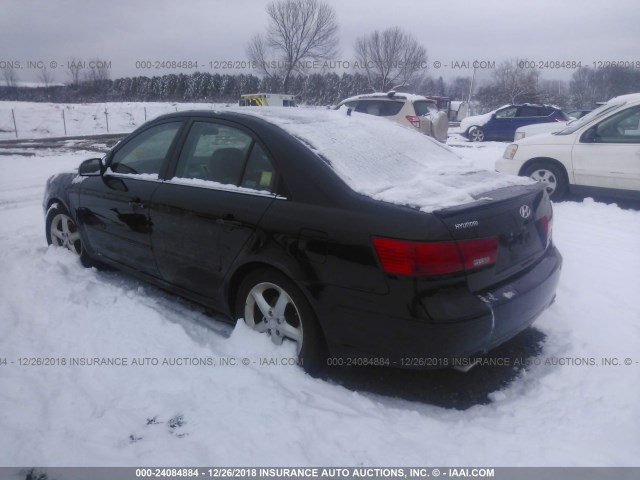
(516, 220)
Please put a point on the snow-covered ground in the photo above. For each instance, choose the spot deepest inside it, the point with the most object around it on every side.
(567, 408)
(40, 120)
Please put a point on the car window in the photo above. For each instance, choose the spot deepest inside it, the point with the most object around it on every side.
(424, 107)
(379, 108)
(218, 153)
(146, 152)
(507, 112)
(623, 127)
(214, 152)
(259, 173)
(528, 111)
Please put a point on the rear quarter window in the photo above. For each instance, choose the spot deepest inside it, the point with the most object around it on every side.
(425, 108)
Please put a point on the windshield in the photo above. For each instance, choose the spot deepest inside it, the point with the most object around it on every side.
(598, 112)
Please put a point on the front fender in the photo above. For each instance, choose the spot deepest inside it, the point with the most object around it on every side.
(62, 188)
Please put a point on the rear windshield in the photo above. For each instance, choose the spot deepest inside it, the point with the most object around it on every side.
(424, 107)
(379, 108)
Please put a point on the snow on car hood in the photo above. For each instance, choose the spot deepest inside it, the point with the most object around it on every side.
(475, 121)
(385, 161)
(478, 120)
(537, 128)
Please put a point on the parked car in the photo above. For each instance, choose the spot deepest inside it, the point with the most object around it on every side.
(501, 124)
(538, 128)
(410, 110)
(598, 153)
(346, 235)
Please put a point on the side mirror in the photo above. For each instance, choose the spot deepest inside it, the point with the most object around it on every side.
(91, 167)
(590, 136)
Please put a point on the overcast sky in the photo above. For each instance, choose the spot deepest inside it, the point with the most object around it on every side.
(124, 32)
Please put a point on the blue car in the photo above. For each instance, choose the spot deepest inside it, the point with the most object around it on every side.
(501, 124)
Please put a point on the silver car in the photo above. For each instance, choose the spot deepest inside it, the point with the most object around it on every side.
(407, 109)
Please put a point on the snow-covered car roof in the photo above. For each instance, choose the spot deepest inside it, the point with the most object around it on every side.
(389, 96)
(631, 97)
(385, 161)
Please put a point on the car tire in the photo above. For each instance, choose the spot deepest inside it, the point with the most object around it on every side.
(551, 175)
(476, 134)
(62, 231)
(271, 303)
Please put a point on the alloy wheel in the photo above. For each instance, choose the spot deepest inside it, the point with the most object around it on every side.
(270, 309)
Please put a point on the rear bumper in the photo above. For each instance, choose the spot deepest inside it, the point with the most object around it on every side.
(434, 337)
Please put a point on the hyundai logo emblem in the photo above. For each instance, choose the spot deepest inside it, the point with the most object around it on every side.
(525, 211)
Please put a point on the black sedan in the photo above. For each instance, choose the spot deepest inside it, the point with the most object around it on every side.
(359, 240)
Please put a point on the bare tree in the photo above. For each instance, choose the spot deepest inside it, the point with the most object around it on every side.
(555, 92)
(459, 88)
(509, 84)
(46, 76)
(74, 68)
(10, 77)
(390, 58)
(98, 74)
(299, 32)
(516, 84)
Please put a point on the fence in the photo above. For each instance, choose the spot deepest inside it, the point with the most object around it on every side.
(40, 120)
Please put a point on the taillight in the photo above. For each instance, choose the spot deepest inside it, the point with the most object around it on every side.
(401, 257)
(415, 121)
(547, 227)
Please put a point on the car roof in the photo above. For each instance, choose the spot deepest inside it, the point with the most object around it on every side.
(392, 95)
(533, 105)
(631, 97)
(216, 114)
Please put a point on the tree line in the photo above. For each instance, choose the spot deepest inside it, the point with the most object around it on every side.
(506, 85)
(312, 89)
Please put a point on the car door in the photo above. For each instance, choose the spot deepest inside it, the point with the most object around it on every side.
(210, 205)
(607, 154)
(114, 207)
(502, 124)
(528, 115)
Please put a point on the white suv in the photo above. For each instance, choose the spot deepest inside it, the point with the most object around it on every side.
(597, 153)
(405, 108)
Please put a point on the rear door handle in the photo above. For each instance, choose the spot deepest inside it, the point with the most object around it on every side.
(228, 221)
